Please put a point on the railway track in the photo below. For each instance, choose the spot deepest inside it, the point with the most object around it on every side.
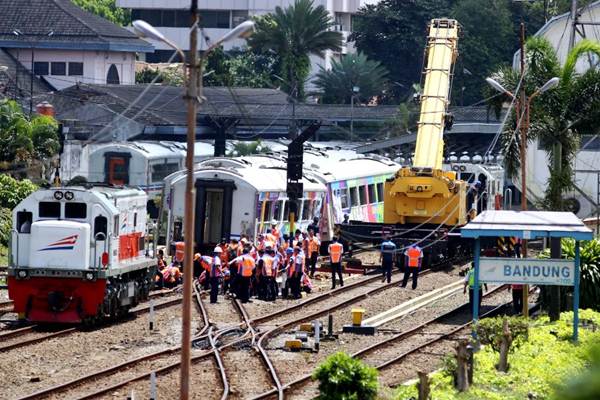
(40, 334)
(383, 354)
(167, 360)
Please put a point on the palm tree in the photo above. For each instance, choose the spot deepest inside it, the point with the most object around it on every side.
(355, 70)
(560, 116)
(293, 35)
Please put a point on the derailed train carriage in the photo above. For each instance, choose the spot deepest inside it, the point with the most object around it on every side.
(79, 254)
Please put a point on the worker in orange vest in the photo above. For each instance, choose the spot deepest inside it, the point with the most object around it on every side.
(336, 250)
(414, 257)
(268, 276)
(245, 275)
(313, 245)
(275, 232)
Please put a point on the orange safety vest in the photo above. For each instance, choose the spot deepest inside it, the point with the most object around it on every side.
(298, 263)
(206, 262)
(413, 257)
(276, 234)
(248, 265)
(313, 245)
(335, 252)
(268, 265)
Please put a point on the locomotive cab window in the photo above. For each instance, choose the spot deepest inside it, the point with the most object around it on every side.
(24, 220)
(49, 209)
(76, 210)
(100, 225)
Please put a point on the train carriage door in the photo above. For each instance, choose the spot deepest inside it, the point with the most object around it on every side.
(214, 201)
(116, 168)
(100, 237)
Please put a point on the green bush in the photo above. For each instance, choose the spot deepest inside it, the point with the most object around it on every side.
(13, 191)
(342, 377)
(490, 331)
(5, 226)
(589, 296)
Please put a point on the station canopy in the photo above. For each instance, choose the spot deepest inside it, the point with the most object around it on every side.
(527, 225)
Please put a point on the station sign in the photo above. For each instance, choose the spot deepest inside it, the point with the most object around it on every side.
(528, 271)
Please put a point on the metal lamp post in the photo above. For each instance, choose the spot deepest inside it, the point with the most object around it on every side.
(355, 90)
(523, 107)
(193, 96)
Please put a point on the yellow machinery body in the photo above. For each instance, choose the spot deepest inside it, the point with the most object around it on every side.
(424, 192)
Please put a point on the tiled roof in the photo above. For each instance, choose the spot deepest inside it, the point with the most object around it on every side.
(71, 27)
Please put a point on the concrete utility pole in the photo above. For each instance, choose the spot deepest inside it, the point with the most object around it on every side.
(524, 114)
(189, 212)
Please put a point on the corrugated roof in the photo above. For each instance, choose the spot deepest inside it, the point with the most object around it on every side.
(527, 225)
(71, 27)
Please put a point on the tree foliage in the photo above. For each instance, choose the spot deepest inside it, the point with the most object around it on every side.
(106, 9)
(12, 192)
(336, 85)
(560, 115)
(342, 377)
(248, 148)
(489, 331)
(292, 35)
(589, 274)
(24, 141)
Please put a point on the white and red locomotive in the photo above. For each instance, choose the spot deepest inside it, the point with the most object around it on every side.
(78, 254)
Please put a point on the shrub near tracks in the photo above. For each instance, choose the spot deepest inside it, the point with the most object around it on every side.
(546, 361)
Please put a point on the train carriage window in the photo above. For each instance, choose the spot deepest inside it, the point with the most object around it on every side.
(100, 225)
(353, 196)
(372, 197)
(306, 210)
(277, 210)
(286, 210)
(24, 220)
(161, 171)
(49, 209)
(76, 210)
(363, 195)
(343, 195)
(267, 213)
(380, 192)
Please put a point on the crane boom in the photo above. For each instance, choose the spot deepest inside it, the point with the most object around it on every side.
(424, 193)
(440, 57)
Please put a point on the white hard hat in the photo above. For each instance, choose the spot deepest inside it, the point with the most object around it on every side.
(218, 250)
(274, 222)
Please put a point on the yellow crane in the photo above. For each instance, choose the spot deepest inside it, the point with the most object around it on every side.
(424, 192)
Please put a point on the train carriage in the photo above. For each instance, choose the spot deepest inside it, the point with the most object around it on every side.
(79, 254)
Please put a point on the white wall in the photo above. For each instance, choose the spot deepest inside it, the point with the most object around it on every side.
(252, 5)
(95, 65)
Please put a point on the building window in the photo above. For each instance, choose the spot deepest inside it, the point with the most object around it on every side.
(214, 19)
(75, 69)
(238, 16)
(41, 68)
(112, 77)
(58, 68)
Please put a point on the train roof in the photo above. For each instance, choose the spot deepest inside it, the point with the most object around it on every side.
(160, 149)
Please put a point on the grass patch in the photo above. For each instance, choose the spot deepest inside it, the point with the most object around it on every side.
(545, 362)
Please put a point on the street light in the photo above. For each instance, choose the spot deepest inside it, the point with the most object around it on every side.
(18, 33)
(193, 95)
(355, 90)
(523, 107)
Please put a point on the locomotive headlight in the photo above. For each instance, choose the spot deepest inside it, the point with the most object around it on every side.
(89, 276)
(69, 196)
(22, 274)
(58, 195)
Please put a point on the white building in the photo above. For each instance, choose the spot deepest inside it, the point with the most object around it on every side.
(219, 16)
(586, 196)
(68, 45)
